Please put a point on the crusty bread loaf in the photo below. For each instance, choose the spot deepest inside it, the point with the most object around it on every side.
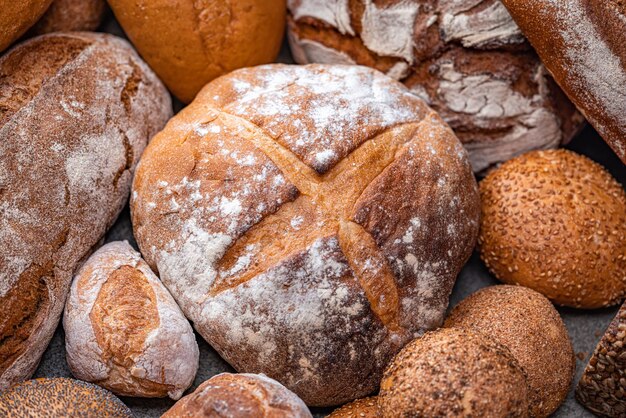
(76, 111)
(602, 387)
(361, 408)
(60, 398)
(70, 15)
(309, 220)
(17, 16)
(454, 372)
(189, 43)
(527, 324)
(123, 329)
(466, 58)
(555, 221)
(582, 43)
(241, 396)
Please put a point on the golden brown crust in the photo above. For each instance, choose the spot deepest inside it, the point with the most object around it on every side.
(59, 398)
(17, 17)
(527, 324)
(581, 43)
(70, 16)
(555, 221)
(361, 408)
(454, 373)
(189, 43)
(63, 125)
(240, 395)
(602, 387)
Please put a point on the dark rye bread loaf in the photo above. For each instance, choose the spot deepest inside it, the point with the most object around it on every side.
(76, 111)
(70, 15)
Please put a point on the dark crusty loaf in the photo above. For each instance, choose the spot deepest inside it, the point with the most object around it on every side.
(583, 45)
(466, 58)
(70, 15)
(76, 111)
(309, 220)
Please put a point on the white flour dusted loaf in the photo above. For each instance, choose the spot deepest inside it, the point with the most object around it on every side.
(466, 58)
(124, 331)
(76, 111)
(309, 220)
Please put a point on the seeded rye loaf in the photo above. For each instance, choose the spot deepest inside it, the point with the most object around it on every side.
(76, 111)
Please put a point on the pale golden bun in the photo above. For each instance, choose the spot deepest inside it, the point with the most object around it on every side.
(555, 221)
(189, 43)
(361, 408)
(527, 324)
(454, 372)
(17, 16)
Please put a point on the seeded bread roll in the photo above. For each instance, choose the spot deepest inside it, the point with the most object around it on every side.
(527, 324)
(76, 111)
(582, 43)
(466, 58)
(189, 43)
(602, 387)
(123, 329)
(309, 220)
(242, 396)
(69, 16)
(60, 398)
(17, 16)
(555, 221)
(361, 408)
(454, 372)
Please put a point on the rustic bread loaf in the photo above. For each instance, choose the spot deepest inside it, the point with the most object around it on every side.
(454, 372)
(76, 111)
(70, 15)
(527, 324)
(602, 387)
(361, 408)
(466, 58)
(582, 43)
(123, 329)
(555, 221)
(17, 16)
(241, 396)
(189, 43)
(60, 398)
(309, 220)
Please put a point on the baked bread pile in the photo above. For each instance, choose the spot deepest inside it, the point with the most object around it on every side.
(309, 221)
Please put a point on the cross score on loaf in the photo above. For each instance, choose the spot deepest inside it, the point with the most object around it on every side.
(310, 220)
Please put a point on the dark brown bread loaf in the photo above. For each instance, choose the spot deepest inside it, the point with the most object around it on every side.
(76, 111)
(309, 220)
(70, 15)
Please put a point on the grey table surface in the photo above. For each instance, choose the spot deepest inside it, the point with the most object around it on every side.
(585, 327)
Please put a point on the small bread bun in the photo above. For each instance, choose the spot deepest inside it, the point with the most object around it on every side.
(60, 397)
(361, 408)
(454, 372)
(70, 16)
(602, 388)
(527, 324)
(555, 221)
(240, 395)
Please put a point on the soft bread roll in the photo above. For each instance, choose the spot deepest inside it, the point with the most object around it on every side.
(454, 372)
(189, 43)
(16, 16)
(527, 324)
(602, 387)
(69, 16)
(361, 408)
(466, 58)
(60, 398)
(555, 221)
(582, 43)
(76, 111)
(309, 220)
(123, 329)
(241, 396)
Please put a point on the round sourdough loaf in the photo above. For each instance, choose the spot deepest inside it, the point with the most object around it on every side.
(466, 58)
(76, 111)
(123, 329)
(17, 16)
(309, 220)
(582, 43)
(189, 43)
(240, 395)
(70, 15)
